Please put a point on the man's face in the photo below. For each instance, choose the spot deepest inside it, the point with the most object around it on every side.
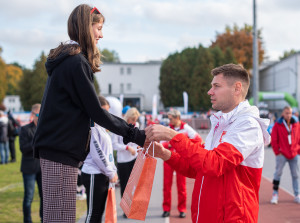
(222, 94)
(35, 114)
(105, 107)
(132, 120)
(287, 114)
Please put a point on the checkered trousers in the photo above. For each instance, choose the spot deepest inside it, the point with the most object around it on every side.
(59, 192)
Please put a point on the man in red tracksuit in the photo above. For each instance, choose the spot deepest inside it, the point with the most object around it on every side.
(228, 168)
(181, 127)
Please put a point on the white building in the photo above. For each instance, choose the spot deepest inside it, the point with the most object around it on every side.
(13, 103)
(138, 82)
(281, 76)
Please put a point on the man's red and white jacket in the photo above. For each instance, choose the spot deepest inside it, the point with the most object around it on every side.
(227, 168)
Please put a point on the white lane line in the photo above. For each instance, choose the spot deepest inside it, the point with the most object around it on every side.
(11, 186)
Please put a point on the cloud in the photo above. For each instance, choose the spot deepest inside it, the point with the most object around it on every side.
(138, 29)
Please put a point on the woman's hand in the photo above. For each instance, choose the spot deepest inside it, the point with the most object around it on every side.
(159, 133)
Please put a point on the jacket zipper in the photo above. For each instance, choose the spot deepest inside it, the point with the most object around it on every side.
(199, 199)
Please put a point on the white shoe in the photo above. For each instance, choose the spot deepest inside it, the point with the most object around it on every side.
(274, 199)
(297, 199)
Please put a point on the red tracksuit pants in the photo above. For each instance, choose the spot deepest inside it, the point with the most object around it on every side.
(181, 189)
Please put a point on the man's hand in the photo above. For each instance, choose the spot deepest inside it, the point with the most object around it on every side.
(159, 151)
(159, 133)
(146, 144)
(114, 179)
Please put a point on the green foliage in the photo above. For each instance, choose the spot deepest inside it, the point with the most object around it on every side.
(3, 80)
(189, 71)
(201, 79)
(96, 85)
(240, 40)
(109, 56)
(13, 75)
(33, 83)
(287, 54)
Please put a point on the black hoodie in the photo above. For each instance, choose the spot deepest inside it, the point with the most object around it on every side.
(68, 106)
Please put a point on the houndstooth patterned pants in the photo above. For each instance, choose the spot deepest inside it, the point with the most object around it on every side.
(59, 192)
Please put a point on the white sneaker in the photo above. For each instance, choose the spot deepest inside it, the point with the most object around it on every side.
(274, 199)
(297, 199)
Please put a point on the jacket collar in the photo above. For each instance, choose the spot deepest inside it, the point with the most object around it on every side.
(181, 125)
(293, 120)
(229, 117)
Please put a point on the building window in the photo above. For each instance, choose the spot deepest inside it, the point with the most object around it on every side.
(128, 70)
(129, 87)
(121, 88)
(122, 70)
(109, 89)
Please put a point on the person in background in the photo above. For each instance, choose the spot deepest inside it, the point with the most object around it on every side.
(125, 109)
(285, 141)
(30, 167)
(181, 127)
(98, 170)
(70, 107)
(14, 126)
(4, 150)
(142, 120)
(126, 153)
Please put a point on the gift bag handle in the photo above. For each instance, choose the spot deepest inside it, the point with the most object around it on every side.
(146, 152)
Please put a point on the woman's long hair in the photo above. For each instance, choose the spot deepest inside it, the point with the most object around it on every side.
(80, 30)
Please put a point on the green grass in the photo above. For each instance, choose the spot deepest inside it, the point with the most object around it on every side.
(11, 194)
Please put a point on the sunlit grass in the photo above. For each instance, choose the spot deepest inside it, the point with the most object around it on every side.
(11, 194)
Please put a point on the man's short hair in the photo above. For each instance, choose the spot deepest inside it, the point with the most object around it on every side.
(174, 113)
(35, 107)
(287, 107)
(235, 72)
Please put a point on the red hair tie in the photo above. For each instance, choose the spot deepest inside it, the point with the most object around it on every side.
(95, 9)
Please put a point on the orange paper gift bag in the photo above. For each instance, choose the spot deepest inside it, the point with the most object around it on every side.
(137, 193)
(111, 209)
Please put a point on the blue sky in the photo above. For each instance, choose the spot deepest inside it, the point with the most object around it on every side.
(141, 30)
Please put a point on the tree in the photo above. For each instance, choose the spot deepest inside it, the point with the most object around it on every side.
(3, 80)
(201, 79)
(24, 90)
(32, 84)
(109, 56)
(287, 54)
(189, 71)
(176, 72)
(13, 76)
(240, 40)
(96, 85)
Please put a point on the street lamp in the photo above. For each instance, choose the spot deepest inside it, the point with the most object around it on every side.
(255, 58)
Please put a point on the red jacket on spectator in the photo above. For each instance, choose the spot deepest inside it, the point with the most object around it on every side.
(280, 143)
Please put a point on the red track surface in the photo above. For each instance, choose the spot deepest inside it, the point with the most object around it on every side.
(286, 211)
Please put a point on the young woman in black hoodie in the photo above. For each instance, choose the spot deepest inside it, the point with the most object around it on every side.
(69, 107)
